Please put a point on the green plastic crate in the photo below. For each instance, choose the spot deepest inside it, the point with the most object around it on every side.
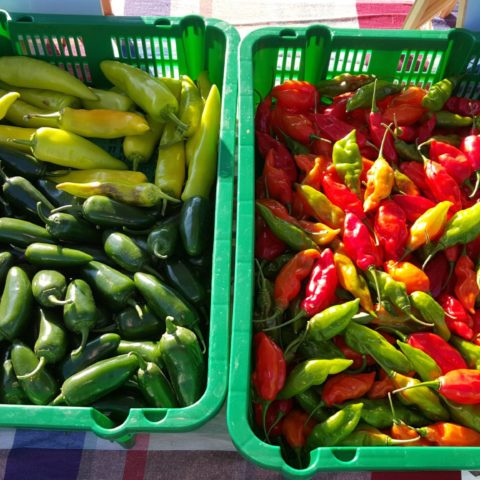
(164, 47)
(268, 57)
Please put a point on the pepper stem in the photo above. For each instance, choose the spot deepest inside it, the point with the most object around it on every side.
(396, 332)
(374, 107)
(58, 401)
(40, 365)
(320, 405)
(171, 328)
(301, 314)
(56, 301)
(266, 406)
(29, 116)
(412, 317)
(477, 184)
(41, 215)
(79, 350)
(430, 256)
(397, 441)
(435, 384)
(28, 143)
(361, 368)
(136, 306)
(158, 254)
(174, 119)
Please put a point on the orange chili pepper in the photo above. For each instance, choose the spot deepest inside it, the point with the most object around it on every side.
(428, 226)
(401, 431)
(314, 176)
(466, 287)
(404, 184)
(320, 233)
(380, 180)
(344, 386)
(414, 278)
(296, 428)
(381, 388)
(450, 434)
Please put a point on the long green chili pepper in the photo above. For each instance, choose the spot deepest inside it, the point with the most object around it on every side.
(438, 94)
(461, 229)
(347, 160)
(407, 151)
(452, 120)
(335, 428)
(346, 82)
(11, 391)
(422, 363)
(469, 351)
(364, 340)
(467, 415)
(22, 233)
(292, 235)
(309, 373)
(431, 311)
(364, 95)
(152, 96)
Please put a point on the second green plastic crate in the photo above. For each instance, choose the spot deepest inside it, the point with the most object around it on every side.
(269, 57)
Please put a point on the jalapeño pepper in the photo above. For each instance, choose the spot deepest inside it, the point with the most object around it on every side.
(44, 254)
(149, 351)
(97, 380)
(11, 391)
(49, 287)
(184, 362)
(194, 222)
(162, 240)
(133, 326)
(20, 163)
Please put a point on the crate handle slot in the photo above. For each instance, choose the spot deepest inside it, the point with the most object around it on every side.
(154, 415)
(288, 32)
(345, 455)
(162, 22)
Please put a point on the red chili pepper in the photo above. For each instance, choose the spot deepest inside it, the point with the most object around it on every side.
(425, 130)
(406, 133)
(367, 165)
(476, 327)
(441, 351)
(320, 290)
(391, 229)
(305, 161)
(413, 205)
(283, 158)
(270, 367)
(470, 146)
(359, 244)
(461, 386)
(442, 185)
(404, 114)
(267, 245)
(335, 129)
(463, 106)
(338, 108)
(299, 206)
(437, 271)
(350, 354)
(377, 134)
(274, 416)
(381, 388)
(295, 95)
(457, 318)
(466, 288)
(455, 162)
(416, 173)
(262, 115)
(278, 210)
(295, 125)
(339, 194)
(296, 428)
(279, 185)
(260, 187)
(288, 282)
(473, 249)
(344, 386)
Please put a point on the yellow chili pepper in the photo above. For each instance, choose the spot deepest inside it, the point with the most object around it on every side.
(323, 209)
(6, 101)
(428, 226)
(108, 100)
(352, 281)
(204, 84)
(170, 169)
(140, 148)
(8, 132)
(320, 233)
(139, 195)
(380, 180)
(173, 84)
(98, 123)
(97, 175)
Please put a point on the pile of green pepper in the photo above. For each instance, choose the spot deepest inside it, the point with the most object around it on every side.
(103, 275)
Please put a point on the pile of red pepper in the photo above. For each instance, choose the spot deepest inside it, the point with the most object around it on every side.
(367, 248)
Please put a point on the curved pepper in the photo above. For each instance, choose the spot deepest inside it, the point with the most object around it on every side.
(414, 278)
(345, 386)
(438, 94)
(348, 161)
(97, 175)
(423, 364)
(391, 229)
(49, 288)
(106, 100)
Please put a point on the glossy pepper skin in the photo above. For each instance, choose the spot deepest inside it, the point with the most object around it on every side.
(132, 326)
(44, 254)
(20, 163)
(423, 364)
(80, 314)
(49, 288)
(296, 427)
(270, 367)
(184, 362)
(15, 304)
(345, 386)
(195, 215)
(348, 161)
(12, 392)
(97, 380)
(162, 239)
(450, 434)
(391, 229)
(41, 387)
(201, 149)
(438, 94)
(457, 318)
(466, 287)
(380, 181)
(335, 428)
(431, 311)
(412, 276)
